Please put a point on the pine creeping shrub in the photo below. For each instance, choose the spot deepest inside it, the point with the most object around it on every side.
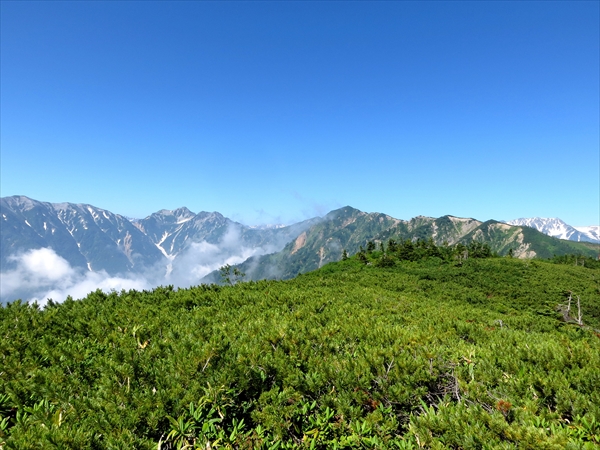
(470, 426)
(205, 424)
(385, 261)
(361, 256)
(504, 407)
(576, 260)
(208, 425)
(431, 353)
(423, 249)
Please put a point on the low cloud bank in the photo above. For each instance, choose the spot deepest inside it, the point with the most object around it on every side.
(201, 258)
(41, 274)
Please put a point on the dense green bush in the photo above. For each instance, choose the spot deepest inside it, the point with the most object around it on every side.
(434, 350)
(577, 260)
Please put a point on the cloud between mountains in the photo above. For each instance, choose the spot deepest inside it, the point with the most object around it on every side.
(41, 274)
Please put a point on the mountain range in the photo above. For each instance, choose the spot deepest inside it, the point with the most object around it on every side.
(87, 237)
(348, 228)
(95, 239)
(557, 228)
(181, 247)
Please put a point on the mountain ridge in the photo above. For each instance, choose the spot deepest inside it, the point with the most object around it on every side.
(350, 229)
(88, 237)
(182, 247)
(94, 239)
(556, 227)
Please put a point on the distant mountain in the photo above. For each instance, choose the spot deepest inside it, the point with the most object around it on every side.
(445, 229)
(559, 229)
(321, 243)
(592, 232)
(348, 228)
(526, 242)
(181, 247)
(94, 239)
(268, 226)
(173, 231)
(170, 230)
(89, 238)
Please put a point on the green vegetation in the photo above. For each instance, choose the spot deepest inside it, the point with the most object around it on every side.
(231, 275)
(350, 229)
(415, 346)
(577, 260)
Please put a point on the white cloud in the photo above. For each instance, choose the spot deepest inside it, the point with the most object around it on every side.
(41, 274)
(201, 258)
(45, 264)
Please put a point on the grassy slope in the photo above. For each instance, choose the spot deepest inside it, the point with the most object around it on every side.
(352, 356)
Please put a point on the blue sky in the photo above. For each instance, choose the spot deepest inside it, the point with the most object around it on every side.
(277, 111)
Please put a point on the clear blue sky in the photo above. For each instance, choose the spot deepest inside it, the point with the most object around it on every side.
(277, 111)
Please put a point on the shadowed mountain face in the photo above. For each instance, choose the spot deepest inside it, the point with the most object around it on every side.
(93, 239)
(89, 238)
(173, 231)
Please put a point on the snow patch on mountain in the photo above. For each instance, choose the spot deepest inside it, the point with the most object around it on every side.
(267, 226)
(592, 232)
(557, 228)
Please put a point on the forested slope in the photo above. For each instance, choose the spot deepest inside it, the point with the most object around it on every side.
(350, 229)
(369, 352)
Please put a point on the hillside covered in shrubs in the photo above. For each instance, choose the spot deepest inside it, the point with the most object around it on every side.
(401, 346)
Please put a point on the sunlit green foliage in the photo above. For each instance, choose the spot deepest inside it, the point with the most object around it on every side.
(577, 260)
(231, 275)
(432, 348)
